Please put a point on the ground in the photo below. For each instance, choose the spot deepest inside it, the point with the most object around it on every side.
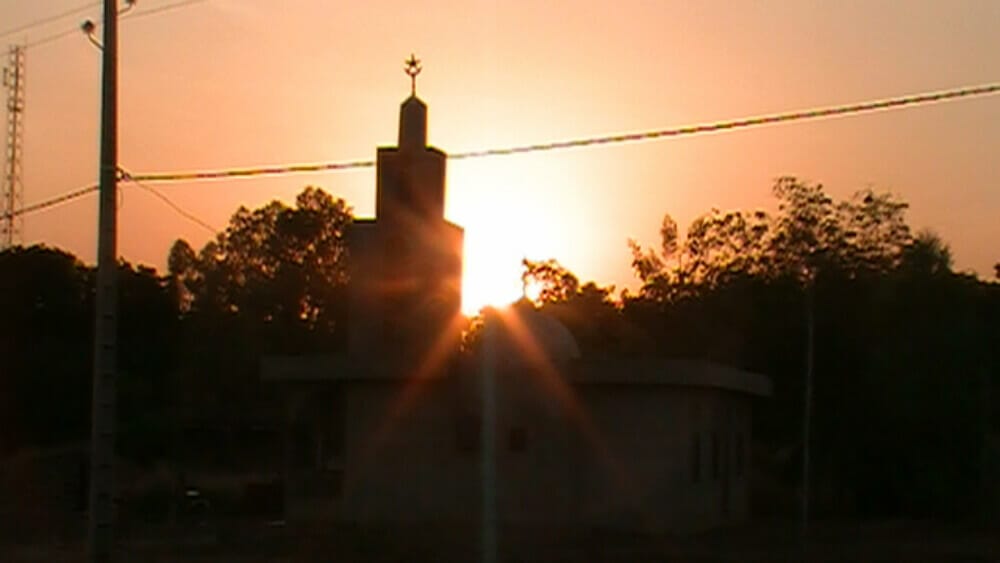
(829, 541)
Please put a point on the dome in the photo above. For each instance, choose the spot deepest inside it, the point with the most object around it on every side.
(524, 328)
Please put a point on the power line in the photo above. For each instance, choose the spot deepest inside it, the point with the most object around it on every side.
(233, 173)
(49, 19)
(58, 200)
(52, 38)
(76, 194)
(160, 9)
(129, 15)
(803, 115)
(886, 104)
(820, 113)
(163, 197)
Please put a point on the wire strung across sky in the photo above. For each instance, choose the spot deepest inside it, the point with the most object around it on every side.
(49, 19)
(160, 9)
(64, 198)
(125, 16)
(718, 126)
(163, 197)
(69, 196)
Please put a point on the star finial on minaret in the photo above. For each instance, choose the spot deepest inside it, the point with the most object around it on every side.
(412, 69)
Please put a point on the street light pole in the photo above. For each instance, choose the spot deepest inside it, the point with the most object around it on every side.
(488, 535)
(100, 532)
(808, 397)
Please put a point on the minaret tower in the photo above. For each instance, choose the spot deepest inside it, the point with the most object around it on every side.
(406, 263)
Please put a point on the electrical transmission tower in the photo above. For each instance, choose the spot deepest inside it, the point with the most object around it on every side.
(13, 190)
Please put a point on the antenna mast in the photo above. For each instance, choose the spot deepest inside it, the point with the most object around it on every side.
(12, 226)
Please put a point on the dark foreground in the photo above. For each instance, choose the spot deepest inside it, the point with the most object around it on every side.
(840, 541)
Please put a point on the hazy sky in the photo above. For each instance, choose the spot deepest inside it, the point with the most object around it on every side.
(226, 83)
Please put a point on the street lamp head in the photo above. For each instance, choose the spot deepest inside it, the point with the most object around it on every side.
(88, 28)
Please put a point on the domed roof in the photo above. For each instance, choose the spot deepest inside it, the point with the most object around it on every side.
(525, 331)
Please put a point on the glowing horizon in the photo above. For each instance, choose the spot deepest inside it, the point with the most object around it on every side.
(325, 84)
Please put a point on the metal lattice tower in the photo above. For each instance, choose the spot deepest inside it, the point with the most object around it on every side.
(13, 190)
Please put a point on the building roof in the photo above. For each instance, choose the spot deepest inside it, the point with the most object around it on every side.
(648, 370)
(339, 367)
(553, 339)
(628, 371)
(523, 334)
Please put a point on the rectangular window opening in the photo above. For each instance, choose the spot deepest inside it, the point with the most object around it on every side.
(715, 455)
(517, 440)
(739, 455)
(696, 458)
(467, 433)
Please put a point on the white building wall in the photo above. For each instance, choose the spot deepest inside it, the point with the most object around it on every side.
(646, 479)
(403, 462)
(617, 456)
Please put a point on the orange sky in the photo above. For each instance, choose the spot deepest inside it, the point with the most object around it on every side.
(247, 82)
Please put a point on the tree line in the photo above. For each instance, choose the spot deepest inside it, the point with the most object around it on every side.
(906, 367)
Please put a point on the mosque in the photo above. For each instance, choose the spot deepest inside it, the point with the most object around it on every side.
(406, 429)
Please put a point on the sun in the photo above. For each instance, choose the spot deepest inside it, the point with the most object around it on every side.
(510, 210)
(492, 273)
(498, 237)
(495, 240)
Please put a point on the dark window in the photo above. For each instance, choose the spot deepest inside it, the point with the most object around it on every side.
(329, 484)
(715, 455)
(321, 483)
(467, 434)
(517, 440)
(696, 458)
(338, 423)
(739, 455)
(303, 447)
(329, 411)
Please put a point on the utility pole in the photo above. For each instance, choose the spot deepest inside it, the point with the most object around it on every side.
(100, 531)
(808, 396)
(12, 228)
(488, 535)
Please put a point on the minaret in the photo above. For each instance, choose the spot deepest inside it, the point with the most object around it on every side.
(413, 114)
(413, 125)
(406, 265)
(411, 176)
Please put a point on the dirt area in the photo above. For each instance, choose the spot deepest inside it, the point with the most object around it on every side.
(825, 542)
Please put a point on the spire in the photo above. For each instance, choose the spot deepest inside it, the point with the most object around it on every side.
(413, 113)
(412, 69)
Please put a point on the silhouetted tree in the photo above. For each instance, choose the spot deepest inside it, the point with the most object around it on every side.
(588, 311)
(274, 282)
(46, 340)
(547, 281)
(46, 346)
(907, 370)
(147, 341)
(811, 232)
(276, 264)
(902, 348)
(926, 254)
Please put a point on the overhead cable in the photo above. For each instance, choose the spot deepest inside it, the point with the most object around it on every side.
(163, 197)
(49, 19)
(718, 126)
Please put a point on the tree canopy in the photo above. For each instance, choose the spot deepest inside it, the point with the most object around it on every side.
(906, 368)
(906, 363)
